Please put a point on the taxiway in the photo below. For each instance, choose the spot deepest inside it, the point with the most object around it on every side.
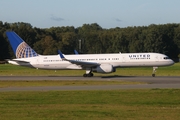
(158, 82)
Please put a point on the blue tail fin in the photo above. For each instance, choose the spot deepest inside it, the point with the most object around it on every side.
(20, 48)
(76, 52)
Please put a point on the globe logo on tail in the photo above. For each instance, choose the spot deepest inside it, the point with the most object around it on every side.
(25, 51)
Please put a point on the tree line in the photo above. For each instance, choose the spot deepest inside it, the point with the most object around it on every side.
(92, 38)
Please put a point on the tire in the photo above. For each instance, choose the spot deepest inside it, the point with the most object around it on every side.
(153, 75)
(85, 75)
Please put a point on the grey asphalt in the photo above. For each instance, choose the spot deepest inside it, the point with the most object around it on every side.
(158, 82)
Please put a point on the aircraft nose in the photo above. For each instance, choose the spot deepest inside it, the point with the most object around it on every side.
(171, 62)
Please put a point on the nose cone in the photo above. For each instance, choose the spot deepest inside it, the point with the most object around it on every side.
(171, 62)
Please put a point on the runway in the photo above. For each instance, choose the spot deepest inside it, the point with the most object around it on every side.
(153, 83)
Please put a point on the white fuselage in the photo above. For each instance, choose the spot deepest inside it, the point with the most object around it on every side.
(116, 60)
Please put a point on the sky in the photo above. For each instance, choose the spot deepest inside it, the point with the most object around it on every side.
(106, 13)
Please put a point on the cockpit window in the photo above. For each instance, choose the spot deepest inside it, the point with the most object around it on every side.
(166, 58)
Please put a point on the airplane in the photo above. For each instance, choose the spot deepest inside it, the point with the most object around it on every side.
(100, 63)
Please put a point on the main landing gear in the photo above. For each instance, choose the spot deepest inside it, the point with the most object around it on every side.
(88, 73)
(154, 71)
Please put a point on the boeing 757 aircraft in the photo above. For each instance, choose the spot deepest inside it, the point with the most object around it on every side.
(100, 63)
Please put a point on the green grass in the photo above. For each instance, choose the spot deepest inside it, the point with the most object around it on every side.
(12, 70)
(144, 104)
(156, 104)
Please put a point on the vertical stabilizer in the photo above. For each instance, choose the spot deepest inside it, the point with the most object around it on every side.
(20, 48)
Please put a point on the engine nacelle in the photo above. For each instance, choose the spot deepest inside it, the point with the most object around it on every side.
(104, 68)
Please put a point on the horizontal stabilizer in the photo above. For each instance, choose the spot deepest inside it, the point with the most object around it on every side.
(19, 61)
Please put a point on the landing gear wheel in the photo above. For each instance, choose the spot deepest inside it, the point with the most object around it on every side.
(88, 75)
(84, 75)
(92, 74)
(153, 75)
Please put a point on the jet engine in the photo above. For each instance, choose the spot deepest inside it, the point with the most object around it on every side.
(104, 68)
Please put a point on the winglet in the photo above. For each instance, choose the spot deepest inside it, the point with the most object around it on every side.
(61, 55)
(76, 52)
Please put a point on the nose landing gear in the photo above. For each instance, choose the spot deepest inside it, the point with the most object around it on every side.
(154, 71)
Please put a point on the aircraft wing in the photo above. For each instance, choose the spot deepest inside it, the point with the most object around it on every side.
(84, 64)
(81, 63)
